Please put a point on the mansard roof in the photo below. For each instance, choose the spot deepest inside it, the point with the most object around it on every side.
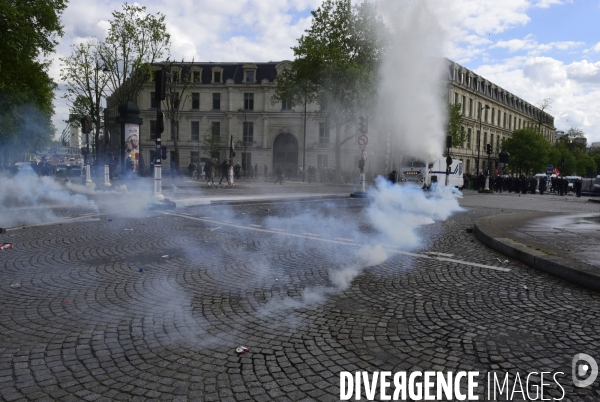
(234, 71)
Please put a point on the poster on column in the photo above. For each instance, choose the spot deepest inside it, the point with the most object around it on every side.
(132, 147)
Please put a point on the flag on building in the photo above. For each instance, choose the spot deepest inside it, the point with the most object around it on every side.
(231, 148)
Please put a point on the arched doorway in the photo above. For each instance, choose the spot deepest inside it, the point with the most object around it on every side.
(285, 154)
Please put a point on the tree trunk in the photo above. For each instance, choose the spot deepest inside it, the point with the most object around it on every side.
(176, 144)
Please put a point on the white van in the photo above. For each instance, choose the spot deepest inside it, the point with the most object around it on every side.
(438, 169)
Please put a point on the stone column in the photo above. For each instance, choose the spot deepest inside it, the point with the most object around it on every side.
(265, 118)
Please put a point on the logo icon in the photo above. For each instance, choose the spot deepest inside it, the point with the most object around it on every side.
(584, 370)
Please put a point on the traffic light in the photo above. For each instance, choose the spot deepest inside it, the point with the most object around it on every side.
(488, 149)
(449, 141)
(163, 152)
(86, 125)
(161, 78)
(363, 124)
(160, 121)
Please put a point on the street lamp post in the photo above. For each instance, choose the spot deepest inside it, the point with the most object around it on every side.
(245, 164)
(479, 136)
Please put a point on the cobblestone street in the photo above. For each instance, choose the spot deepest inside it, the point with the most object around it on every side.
(153, 307)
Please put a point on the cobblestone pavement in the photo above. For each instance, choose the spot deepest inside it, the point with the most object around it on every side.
(152, 308)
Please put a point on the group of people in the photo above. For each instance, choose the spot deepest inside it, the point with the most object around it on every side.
(524, 185)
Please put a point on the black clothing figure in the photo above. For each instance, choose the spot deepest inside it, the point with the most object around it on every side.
(224, 171)
(577, 186)
(236, 170)
(524, 185)
(532, 185)
(392, 177)
(279, 173)
(542, 185)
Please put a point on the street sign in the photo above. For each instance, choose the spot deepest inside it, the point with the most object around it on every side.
(364, 154)
(363, 140)
(549, 168)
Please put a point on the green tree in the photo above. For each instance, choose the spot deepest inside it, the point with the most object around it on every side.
(336, 64)
(528, 151)
(211, 143)
(86, 81)
(135, 40)
(181, 78)
(454, 126)
(29, 31)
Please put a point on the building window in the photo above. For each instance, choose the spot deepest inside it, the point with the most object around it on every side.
(499, 118)
(323, 134)
(216, 101)
(194, 156)
(486, 115)
(249, 101)
(479, 110)
(174, 76)
(248, 131)
(174, 129)
(497, 143)
(493, 116)
(249, 77)
(196, 76)
(492, 141)
(468, 138)
(176, 100)
(153, 102)
(484, 140)
(195, 100)
(470, 107)
(455, 98)
(464, 105)
(216, 128)
(462, 134)
(321, 161)
(462, 78)
(469, 165)
(195, 130)
(217, 77)
(286, 104)
(478, 139)
(152, 129)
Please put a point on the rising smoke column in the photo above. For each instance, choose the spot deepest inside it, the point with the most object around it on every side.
(411, 91)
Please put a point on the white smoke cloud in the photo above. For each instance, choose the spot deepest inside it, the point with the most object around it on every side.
(33, 197)
(411, 97)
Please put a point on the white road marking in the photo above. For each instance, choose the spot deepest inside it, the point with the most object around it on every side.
(256, 226)
(213, 229)
(440, 254)
(342, 242)
(341, 238)
(311, 234)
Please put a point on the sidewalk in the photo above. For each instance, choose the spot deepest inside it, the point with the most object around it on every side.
(563, 245)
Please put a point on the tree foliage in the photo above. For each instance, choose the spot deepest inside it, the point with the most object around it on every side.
(135, 40)
(177, 96)
(336, 64)
(29, 31)
(454, 126)
(86, 81)
(528, 151)
(211, 143)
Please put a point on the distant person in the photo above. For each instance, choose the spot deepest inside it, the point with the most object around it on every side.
(279, 174)
(392, 177)
(224, 171)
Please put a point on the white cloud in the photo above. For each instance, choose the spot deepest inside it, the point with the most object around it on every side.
(533, 47)
(574, 87)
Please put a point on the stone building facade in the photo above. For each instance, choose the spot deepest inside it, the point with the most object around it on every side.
(237, 100)
(490, 115)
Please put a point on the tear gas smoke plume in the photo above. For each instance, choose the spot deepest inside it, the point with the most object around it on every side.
(411, 89)
(27, 199)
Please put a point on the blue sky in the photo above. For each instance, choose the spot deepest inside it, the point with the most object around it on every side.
(536, 49)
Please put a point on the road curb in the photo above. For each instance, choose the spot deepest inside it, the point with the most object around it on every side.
(275, 201)
(573, 271)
